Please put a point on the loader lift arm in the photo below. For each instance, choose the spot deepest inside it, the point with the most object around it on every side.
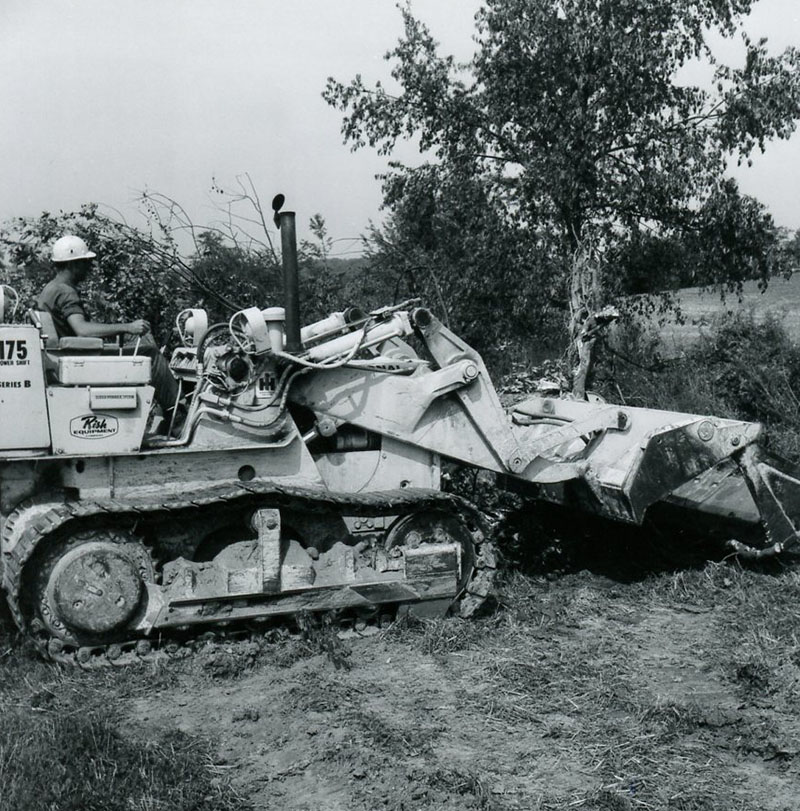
(612, 461)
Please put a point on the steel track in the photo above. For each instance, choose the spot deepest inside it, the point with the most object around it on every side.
(37, 521)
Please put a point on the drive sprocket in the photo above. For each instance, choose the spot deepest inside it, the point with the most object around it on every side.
(90, 585)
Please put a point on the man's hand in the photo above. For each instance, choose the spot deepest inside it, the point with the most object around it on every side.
(139, 327)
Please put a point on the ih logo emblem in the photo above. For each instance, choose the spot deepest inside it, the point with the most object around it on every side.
(94, 426)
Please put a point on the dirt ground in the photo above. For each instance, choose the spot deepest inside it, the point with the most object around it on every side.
(676, 691)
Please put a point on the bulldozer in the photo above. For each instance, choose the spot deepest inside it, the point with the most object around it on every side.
(307, 475)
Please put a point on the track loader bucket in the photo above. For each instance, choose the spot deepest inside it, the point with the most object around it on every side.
(756, 490)
(682, 470)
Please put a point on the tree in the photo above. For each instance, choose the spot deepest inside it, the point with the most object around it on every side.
(246, 277)
(223, 266)
(448, 244)
(135, 276)
(318, 249)
(573, 118)
(732, 239)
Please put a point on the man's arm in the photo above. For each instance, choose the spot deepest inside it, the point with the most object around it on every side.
(92, 329)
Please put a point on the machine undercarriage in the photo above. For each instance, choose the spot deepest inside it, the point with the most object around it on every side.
(103, 581)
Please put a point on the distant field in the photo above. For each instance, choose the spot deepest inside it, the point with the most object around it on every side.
(702, 308)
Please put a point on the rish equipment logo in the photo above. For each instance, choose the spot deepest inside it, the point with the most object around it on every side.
(94, 426)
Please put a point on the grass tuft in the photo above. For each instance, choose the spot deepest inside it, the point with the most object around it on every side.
(321, 634)
(68, 758)
(63, 745)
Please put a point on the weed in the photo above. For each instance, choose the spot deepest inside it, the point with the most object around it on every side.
(391, 736)
(312, 691)
(230, 661)
(321, 634)
(668, 721)
(465, 784)
(286, 652)
(442, 636)
(754, 678)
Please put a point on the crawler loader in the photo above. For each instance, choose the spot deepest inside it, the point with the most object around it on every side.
(306, 476)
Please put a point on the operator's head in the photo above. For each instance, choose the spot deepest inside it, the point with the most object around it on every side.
(72, 253)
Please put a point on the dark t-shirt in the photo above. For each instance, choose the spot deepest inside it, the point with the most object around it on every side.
(61, 300)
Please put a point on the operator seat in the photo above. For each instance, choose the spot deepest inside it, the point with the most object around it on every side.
(52, 342)
(73, 360)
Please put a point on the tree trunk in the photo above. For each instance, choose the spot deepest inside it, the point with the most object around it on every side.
(584, 301)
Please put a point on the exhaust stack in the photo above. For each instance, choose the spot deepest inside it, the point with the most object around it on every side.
(285, 220)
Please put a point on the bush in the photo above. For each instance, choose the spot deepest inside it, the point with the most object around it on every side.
(747, 369)
(133, 276)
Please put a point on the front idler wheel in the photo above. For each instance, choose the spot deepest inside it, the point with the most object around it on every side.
(439, 527)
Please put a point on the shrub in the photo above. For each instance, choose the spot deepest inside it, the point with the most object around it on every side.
(747, 369)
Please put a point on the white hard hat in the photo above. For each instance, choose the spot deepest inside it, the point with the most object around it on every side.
(69, 248)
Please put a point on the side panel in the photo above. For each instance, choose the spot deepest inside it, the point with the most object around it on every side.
(181, 470)
(89, 370)
(80, 430)
(23, 411)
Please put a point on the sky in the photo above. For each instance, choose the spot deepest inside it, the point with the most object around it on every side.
(101, 100)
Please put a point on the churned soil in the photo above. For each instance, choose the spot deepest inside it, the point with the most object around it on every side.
(674, 691)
